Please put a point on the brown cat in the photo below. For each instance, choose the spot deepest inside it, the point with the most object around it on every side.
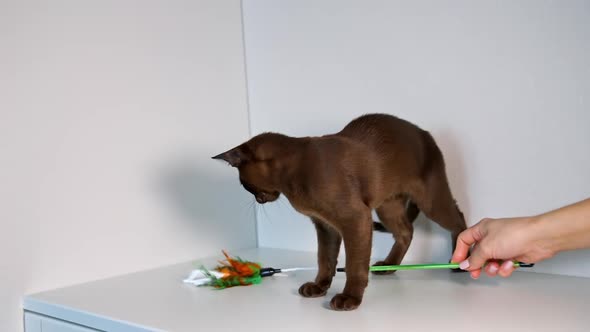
(378, 162)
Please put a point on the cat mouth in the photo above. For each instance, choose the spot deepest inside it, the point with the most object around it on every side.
(262, 198)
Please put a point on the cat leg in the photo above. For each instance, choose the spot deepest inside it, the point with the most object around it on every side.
(395, 217)
(412, 212)
(357, 232)
(328, 247)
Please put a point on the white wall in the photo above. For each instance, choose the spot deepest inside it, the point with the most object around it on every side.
(109, 114)
(503, 86)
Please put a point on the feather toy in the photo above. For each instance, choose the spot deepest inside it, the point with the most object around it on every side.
(231, 272)
(238, 272)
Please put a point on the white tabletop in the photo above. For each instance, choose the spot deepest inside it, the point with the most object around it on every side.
(407, 301)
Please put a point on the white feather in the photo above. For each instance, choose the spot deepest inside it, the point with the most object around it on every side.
(198, 278)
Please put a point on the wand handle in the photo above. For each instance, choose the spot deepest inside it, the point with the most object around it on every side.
(268, 271)
(424, 267)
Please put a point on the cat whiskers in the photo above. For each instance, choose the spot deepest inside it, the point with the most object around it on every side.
(248, 207)
(265, 213)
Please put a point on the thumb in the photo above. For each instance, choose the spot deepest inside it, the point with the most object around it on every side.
(476, 260)
(466, 240)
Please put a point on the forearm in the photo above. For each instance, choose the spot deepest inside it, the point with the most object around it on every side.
(567, 228)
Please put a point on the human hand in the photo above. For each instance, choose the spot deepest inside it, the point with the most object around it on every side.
(498, 242)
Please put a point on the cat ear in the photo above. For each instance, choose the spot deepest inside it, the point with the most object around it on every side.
(236, 156)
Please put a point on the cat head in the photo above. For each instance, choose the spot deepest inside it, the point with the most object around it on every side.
(258, 163)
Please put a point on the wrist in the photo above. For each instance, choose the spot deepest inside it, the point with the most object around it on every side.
(544, 237)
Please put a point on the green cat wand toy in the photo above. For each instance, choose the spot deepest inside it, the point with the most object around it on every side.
(237, 272)
(423, 267)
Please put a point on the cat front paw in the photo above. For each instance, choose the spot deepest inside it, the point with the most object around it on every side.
(312, 289)
(343, 302)
(381, 263)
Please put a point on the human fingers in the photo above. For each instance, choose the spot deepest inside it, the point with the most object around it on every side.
(506, 268)
(492, 268)
(476, 260)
